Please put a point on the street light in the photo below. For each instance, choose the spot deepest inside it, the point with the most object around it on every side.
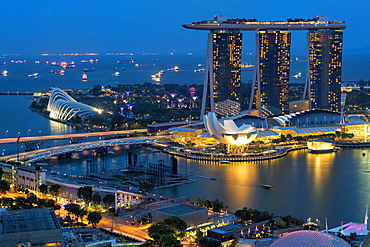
(29, 132)
(6, 134)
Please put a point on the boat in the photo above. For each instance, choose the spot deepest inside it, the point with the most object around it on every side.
(89, 61)
(199, 70)
(299, 74)
(247, 66)
(267, 187)
(60, 72)
(5, 73)
(127, 61)
(116, 73)
(88, 70)
(176, 68)
(363, 154)
(70, 66)
(34, 75)
(84, 77)
(224, 162)
(119, 69)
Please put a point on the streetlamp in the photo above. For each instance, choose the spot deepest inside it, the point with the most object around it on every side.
(19, 136)
(29, 132)
(6, 134)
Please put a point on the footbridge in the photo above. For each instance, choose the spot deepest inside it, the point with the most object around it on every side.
(39, 155)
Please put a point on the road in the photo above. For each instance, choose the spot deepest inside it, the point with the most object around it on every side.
(68, 136)
(137, 232)
(54, 151)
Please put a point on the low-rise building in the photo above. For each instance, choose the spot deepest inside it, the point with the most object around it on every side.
(30, 227)
(191, 214)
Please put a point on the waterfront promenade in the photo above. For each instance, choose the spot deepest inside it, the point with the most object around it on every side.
(278, 153)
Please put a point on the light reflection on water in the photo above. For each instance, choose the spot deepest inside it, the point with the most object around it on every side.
(334, 185)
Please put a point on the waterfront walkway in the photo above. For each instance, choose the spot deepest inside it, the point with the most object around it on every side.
(236, 158)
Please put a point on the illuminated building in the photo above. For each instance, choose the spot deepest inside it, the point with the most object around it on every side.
(271, 84)
(222, 73)
(271, 88)
(323, 87)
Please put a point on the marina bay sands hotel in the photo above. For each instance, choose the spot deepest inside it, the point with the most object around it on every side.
(269, 96)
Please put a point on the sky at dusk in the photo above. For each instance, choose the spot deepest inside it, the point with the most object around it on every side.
(45, 26)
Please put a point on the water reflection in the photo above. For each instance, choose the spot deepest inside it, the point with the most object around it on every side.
(334, 185)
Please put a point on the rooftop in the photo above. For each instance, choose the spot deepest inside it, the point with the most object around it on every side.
(180, 209)
(263, 25)
(26, 220)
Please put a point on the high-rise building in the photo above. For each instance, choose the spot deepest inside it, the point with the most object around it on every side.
(323, 86)
(271, 87)
(271, 82)
(222, 83)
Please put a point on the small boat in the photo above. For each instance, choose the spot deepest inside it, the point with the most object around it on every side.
(267, 186)
(119, 69)
(34, 75)
(224, 162)
(116, 73)
(127, 61)
(59, 72)
(363, 154)
(88, 70)
(5, 73)
(84, 77)
(299, 74)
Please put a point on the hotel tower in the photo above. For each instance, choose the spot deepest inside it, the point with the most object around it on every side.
(270, 89)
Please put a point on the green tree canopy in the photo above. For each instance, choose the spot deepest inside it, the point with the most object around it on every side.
(94, 218)
(176, 223)
(96, 198)
(85, 193)
(157, 230)
(54, 189)
(43, 188)
(109, 199)
(4, 186)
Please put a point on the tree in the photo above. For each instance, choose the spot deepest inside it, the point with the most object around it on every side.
(204, 242)
(85, 193)
(80, 214)
(168, 240)
(4, 186)
(1, 173)
(72, 208)
(146, 187)
(43, 188)
(7, 201)
(109, 199)
(157, 230)
(54, 189)
(96, 198)
(94, 218)
(176, 223)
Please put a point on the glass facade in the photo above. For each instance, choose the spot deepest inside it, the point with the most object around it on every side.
(325, 68)
(271, 87)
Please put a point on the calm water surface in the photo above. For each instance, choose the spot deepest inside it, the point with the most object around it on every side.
(334, 185)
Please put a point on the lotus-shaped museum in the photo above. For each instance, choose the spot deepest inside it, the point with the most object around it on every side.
(229, 132)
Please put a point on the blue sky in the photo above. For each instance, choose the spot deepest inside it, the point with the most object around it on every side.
(40, 26)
